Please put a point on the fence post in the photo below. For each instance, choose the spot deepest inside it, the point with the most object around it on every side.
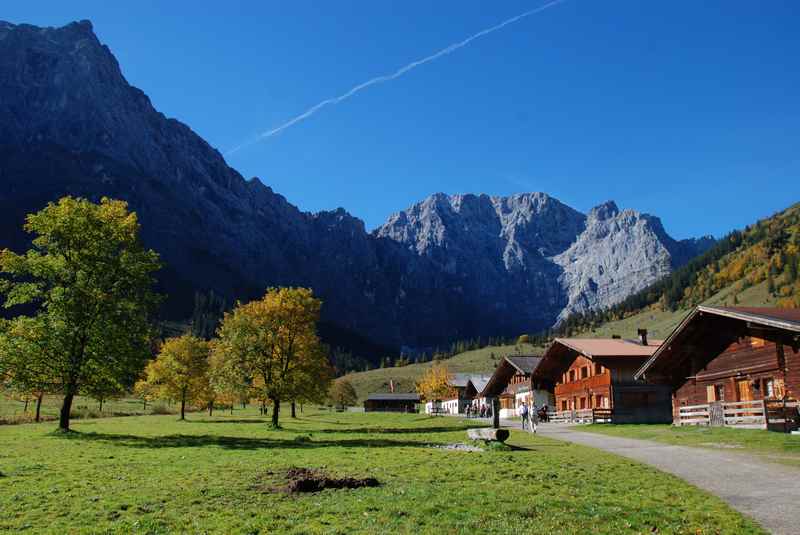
(766, 414)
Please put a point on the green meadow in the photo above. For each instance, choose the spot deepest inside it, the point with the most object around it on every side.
(225, 474)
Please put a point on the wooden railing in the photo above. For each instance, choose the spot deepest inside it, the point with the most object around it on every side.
(582, 416)
(761, 414)
(694, 415)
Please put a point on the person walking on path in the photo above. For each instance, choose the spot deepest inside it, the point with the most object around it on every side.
(523, 411)
(533, 415)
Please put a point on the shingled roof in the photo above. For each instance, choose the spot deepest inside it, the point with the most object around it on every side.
(725, 324)
(526, 364)
(389, 396)
(507, 368)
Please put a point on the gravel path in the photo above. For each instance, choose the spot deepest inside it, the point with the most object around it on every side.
(769, 493)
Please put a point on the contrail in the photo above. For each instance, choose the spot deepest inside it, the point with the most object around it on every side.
(388, 77)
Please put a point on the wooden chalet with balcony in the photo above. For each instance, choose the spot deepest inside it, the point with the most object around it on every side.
(594, 381)
(516, 380)
(735, 366)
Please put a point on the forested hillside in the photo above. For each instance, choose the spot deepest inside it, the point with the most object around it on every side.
(766, 254)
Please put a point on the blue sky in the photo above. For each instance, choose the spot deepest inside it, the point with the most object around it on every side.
(688, 110)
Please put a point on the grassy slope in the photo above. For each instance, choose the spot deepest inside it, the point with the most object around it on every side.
(660, 323)
(775, 447)
(152, 474)
(478, 361)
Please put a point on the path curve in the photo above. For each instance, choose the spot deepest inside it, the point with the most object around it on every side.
(767, 492)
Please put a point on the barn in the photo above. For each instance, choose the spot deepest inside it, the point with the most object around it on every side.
(391, 402)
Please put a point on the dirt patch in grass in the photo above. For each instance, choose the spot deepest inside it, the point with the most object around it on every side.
(302, 480)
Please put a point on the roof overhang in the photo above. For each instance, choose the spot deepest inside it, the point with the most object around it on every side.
(714, 328)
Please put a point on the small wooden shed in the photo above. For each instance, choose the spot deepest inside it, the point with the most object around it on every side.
(391, 402)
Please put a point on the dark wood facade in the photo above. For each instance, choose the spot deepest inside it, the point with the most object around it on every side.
(730, 355)
(391, 403)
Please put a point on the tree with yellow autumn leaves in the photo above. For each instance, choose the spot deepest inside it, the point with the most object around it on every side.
(434, 385)
(272, 343)
(180, 372)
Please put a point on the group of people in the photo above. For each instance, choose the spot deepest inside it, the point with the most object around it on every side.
(478, 412)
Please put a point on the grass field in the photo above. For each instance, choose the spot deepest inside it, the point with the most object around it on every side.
(13, 411)
(771, 446)
(153, 474)
(478, 361)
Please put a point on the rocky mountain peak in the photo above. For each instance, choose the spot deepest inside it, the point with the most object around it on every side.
(604, 211)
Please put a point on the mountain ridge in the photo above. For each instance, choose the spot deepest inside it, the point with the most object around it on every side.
(71, 124)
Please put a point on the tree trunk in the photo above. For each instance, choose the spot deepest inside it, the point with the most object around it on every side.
(301, 408)
(276, 407)
(231, 409)
(183, 407)
(26, 405)
(101, 404)
(66, 408)
(294, 411)
(144, 402)
(211, 408)
(39, 406)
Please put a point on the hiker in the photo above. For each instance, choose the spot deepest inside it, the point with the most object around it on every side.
(533, 416)
(523, 411)
(469, 411)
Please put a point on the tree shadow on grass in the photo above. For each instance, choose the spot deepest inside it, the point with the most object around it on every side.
(231, 421)
(232, 442)
(399, 430)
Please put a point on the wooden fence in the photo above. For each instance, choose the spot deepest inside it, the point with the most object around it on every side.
(582, 416)
(761, 414)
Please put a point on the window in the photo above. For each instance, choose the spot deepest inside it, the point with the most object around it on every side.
(583, 403)
(564, 404)
(598, 369)
(584, 372)
(571, 376)
(715, 393)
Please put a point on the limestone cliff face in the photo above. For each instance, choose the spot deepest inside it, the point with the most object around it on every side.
(447, 268)
(536, 256)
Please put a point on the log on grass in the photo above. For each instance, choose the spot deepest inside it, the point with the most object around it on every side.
(488, 434)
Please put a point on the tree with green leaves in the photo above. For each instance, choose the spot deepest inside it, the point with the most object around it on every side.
(90, 280)
(273, 341)
(180, 371)
(25, 355)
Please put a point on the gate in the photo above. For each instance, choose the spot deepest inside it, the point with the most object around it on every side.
(716, 414)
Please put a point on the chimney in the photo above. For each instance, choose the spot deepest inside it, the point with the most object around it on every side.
(643, 336)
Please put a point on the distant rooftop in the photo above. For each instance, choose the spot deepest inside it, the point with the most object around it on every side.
(610, 347)
(460, 380)
(525, 364)
(389, 396)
